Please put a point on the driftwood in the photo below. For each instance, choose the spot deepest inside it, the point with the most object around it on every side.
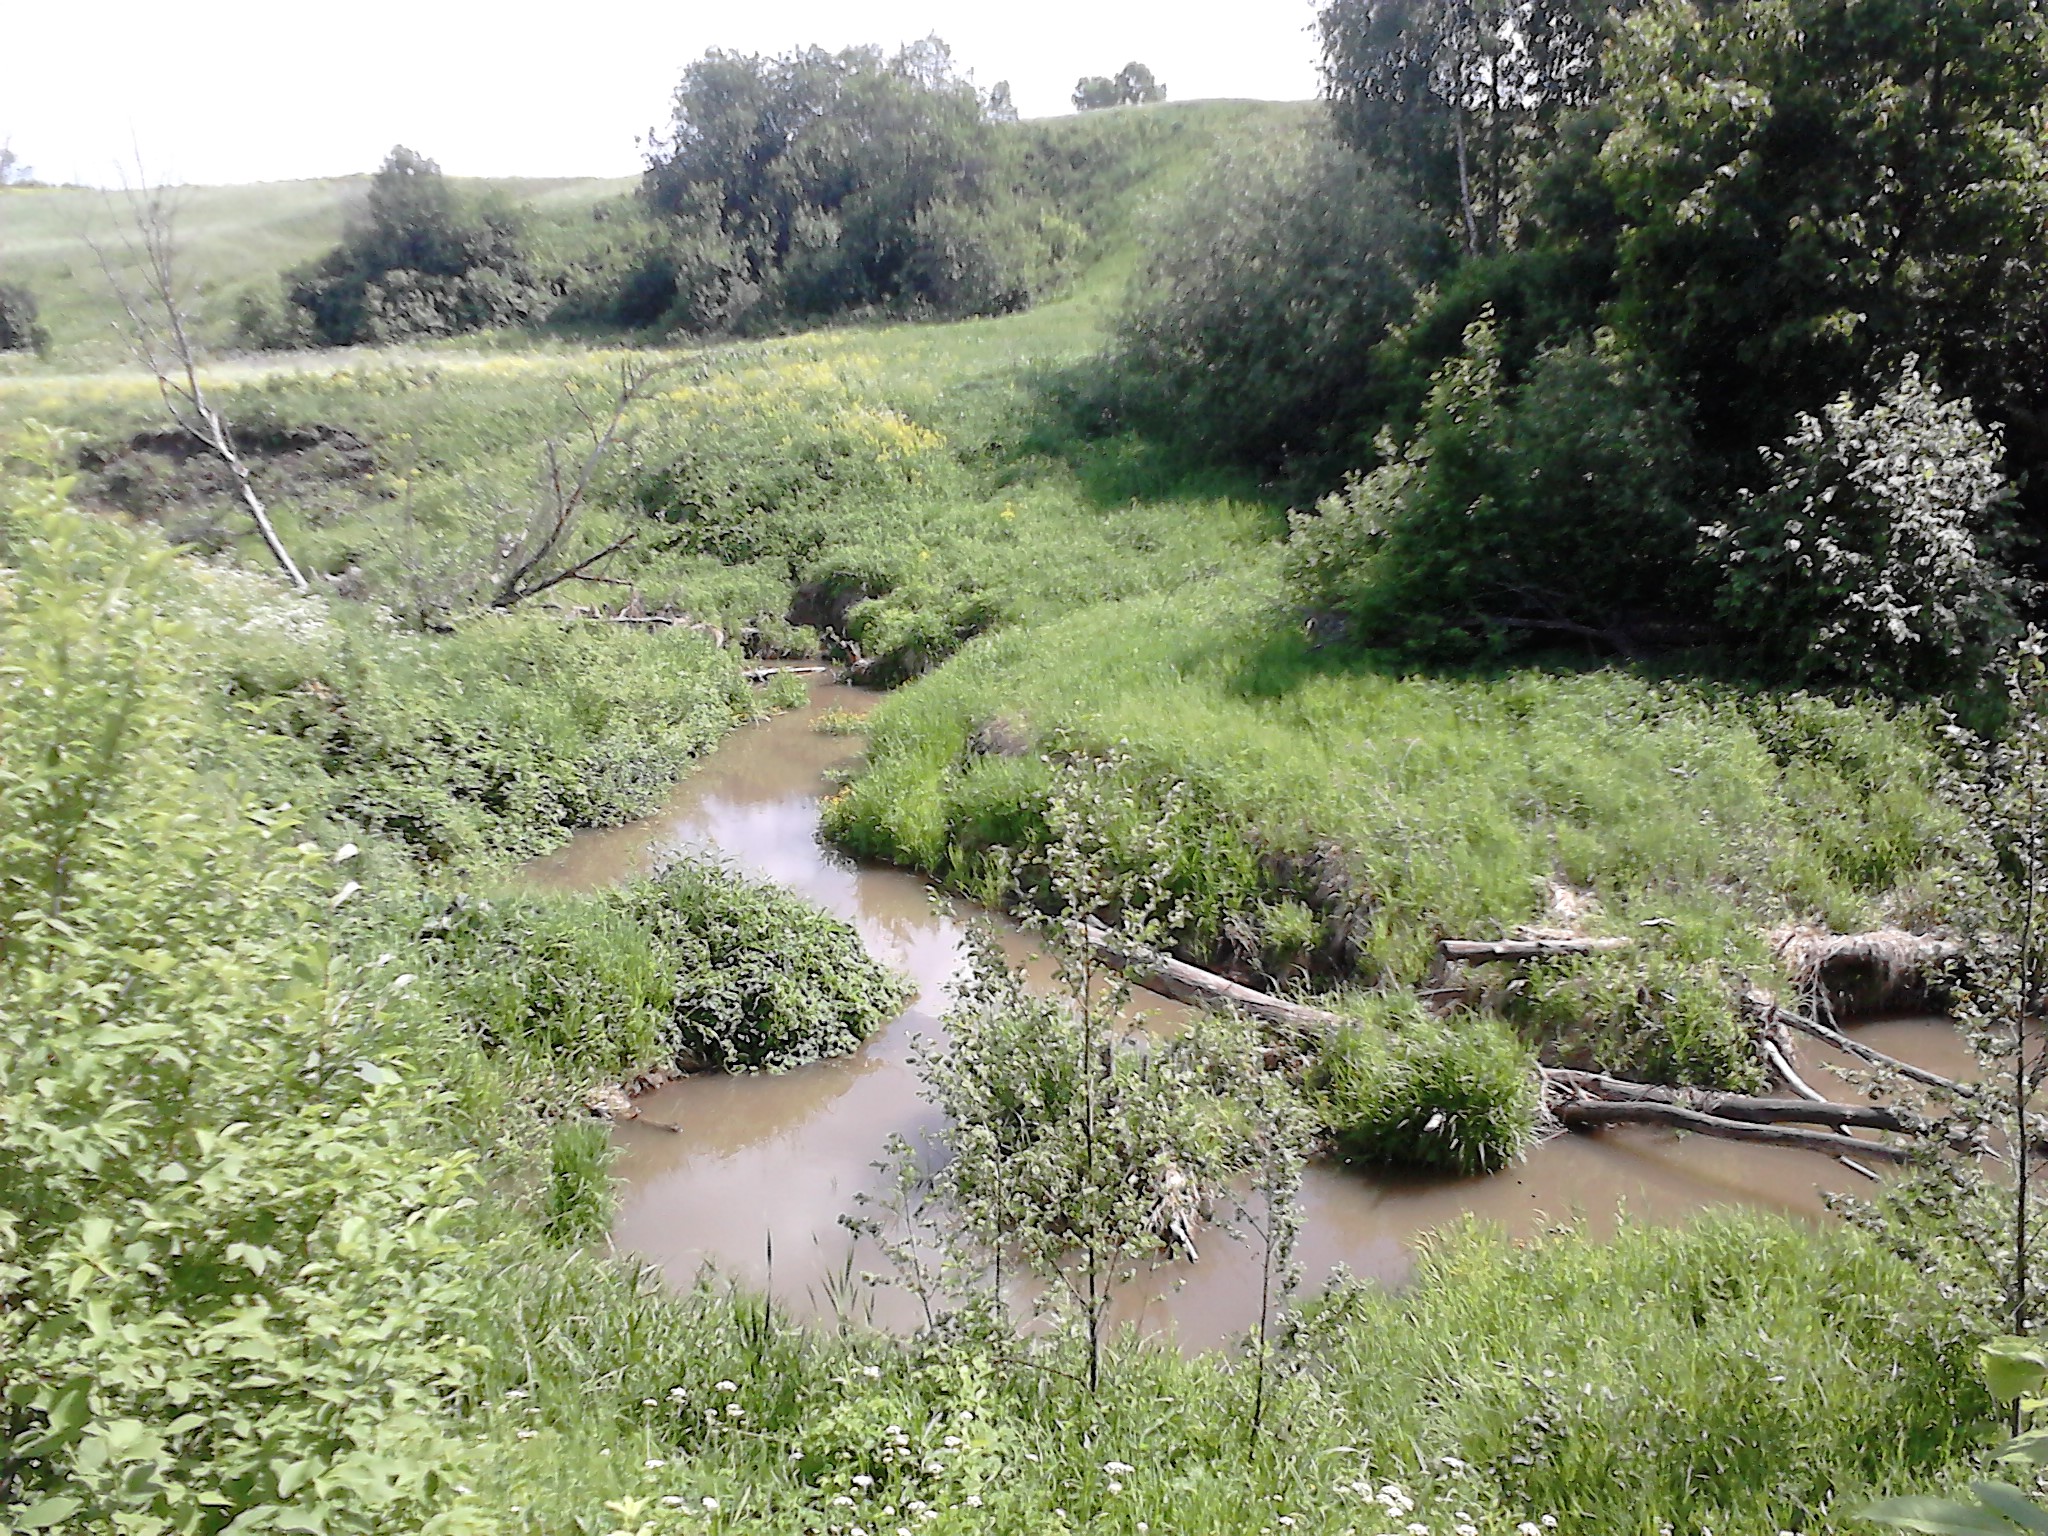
(1868, 1053)
(1186, 983)
(762, 674)
(1732, 1106)
(1578, 1100)
(1477, 951)
(1594, 1113)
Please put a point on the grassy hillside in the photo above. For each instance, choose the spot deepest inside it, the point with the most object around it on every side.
(230, 239)
(1117, 165)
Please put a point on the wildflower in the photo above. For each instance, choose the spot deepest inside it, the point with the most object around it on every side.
(1117, 1468)
(652, 1462)
(1115, 1486)
(871, 1371)
(647, 1402)
(1528, 1528)
(710, 1505)
(951, 1441)
(673, 1501)
(734, 1410)
(862, 1480)
(727, 1386)
(973, 1501)
(528, 1434)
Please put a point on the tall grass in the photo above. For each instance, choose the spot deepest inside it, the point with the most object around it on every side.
(1409, 808)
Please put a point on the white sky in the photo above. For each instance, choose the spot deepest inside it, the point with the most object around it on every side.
(255, 90)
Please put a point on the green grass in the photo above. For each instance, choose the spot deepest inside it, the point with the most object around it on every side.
(1408, 808)
(230, 239)
(1745, 1375)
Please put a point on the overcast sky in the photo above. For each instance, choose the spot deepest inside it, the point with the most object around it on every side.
(257, 90)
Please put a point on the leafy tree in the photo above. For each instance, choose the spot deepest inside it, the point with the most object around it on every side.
(233, 1286)
(833, 181)
(1454, 96)
(14, 172)
(1867, 556)
(1799, 192)
(1131, 86)
(20, 329)
(1250, 327)
(420, 262)
(1559, 508)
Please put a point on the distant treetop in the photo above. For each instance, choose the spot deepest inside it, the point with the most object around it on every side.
(1131, 86)
(13, 172)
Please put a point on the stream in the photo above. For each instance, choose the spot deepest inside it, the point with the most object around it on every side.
(748, 1175)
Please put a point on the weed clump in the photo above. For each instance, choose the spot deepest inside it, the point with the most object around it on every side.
(1402, 1090)
(696, 967)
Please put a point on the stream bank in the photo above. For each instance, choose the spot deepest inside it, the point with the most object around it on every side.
(749, 1175)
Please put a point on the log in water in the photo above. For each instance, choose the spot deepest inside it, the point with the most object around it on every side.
(758, 1170)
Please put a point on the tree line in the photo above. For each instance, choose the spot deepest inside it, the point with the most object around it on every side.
(1681, 323)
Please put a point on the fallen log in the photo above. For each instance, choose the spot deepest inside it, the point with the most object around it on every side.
(1579, 1086)
(1584, 1100)
(1477, 951)
(1868, 1053)
(762, 674)
(1780, 1063)
(1591, 1114)
(1186, 983)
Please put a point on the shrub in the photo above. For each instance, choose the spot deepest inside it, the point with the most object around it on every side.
(565, 991)
(695, 967)
(761, 978)
(1559, 509)
(1403, 1090)
(421, 263)
(1257, 304)
(232, 1292)
(1868, 556)
(20, 329)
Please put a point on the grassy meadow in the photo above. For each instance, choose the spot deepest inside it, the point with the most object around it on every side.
(313, 803)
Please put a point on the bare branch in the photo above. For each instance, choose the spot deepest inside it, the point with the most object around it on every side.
(159, 334)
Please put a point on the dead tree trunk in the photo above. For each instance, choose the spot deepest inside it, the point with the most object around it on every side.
(161, 338)
(1190, 984)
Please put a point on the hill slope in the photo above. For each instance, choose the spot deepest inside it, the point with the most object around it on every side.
(1107, 168)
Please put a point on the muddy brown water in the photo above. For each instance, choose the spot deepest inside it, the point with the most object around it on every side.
(748, 1176)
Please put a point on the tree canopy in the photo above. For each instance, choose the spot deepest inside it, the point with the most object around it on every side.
(1131, 86)
(831, 181)
(418, 261)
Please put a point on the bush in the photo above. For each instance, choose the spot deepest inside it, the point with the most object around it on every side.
(232, 1291)
(422, 263)
(20, 329)
(1561, 509)
(1869, 554)
(695, 967)
(1249, 324)
(761, 978)
(1403, 1090)
(500, 739)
